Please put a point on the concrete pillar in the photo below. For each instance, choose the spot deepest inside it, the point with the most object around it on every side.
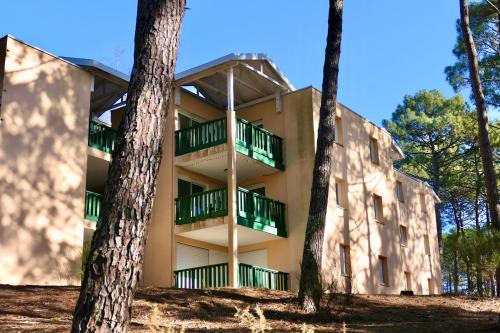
(232, 231)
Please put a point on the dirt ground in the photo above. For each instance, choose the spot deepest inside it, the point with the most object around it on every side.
(49, 309)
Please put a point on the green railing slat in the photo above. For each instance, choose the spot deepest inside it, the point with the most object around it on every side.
(92, 205)
(101, 136)
(200, 136)
(201, 206)
(254, 141)
(216, 276)
(251, 206)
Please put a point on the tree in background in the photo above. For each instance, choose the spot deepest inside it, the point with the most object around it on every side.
(428, 127)
(485, 148)
(114, 265)
(311, 286)
(485, 28)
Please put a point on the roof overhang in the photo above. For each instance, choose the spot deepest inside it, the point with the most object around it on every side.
(256, 77)
(108, 84)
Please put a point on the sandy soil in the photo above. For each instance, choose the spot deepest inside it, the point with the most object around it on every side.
(49, 309)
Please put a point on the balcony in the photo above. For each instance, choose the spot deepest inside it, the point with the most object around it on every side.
(92, 205)
(101, 137)
(253, 142)
(253, 210)
(216, 276)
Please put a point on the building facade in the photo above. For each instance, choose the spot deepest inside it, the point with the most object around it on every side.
(234, 183)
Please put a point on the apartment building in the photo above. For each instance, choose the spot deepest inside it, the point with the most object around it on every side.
(234, 184)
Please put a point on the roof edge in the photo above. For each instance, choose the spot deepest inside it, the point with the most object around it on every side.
(91, 63)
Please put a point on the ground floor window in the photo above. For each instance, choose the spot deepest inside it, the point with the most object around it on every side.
(345, 260)
(383, 270)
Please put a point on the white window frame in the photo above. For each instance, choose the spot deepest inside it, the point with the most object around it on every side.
(188, 115)
(340, 193)
(383, 270)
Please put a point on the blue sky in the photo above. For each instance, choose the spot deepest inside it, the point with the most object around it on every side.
(389, 47)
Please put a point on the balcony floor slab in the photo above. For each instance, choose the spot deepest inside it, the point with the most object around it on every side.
(212, 162)
(214, 231)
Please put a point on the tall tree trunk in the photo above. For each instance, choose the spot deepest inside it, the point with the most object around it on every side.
(455, 262)
(482, 119)
(436, 186)
(477, 213)
(114, 265)
(311, 286)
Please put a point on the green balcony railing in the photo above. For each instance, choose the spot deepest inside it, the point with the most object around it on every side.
(211, 276)
(251, 140)
(260, 277)
(216, 276)
(92, 205)
(258, 143)
(101, 136)
(254, 210)
(260, 212)
(200, 136)
(201, 206)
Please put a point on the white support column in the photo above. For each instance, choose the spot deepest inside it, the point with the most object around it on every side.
(232, 231)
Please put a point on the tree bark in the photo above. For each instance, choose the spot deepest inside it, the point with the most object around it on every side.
(436, 186)
(311, 286)
(114, 265)
(455, 262)
(482, 119)
(477, 213)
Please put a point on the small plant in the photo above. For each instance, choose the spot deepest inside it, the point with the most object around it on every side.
(256, 323)
(154, 323)
(307, 329)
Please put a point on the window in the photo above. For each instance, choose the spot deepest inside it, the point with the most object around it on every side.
(186, 121)
(403, 235)
(422, 202)
(374, 150)
(340, 194)
(338, 131)
(407, 281)
(258, 123)
(383, 270)
(427, 245)
(259, 190)
(345, 260)
(399, 191)
(185, 188)
(377, 205)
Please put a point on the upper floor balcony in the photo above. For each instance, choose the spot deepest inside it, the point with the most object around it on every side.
(101, 136)
(261, 152)
(254, 211)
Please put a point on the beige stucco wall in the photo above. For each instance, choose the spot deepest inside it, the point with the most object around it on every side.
(160, 253)
(354, 224)
(43, 145)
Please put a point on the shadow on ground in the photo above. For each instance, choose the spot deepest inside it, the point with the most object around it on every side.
(49, 309)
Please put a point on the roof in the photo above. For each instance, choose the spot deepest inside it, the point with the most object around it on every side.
(256, 77)
(420, 181)
(95, 65)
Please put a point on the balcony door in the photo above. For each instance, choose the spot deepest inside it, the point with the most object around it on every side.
(185, 121)
(186, 189)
